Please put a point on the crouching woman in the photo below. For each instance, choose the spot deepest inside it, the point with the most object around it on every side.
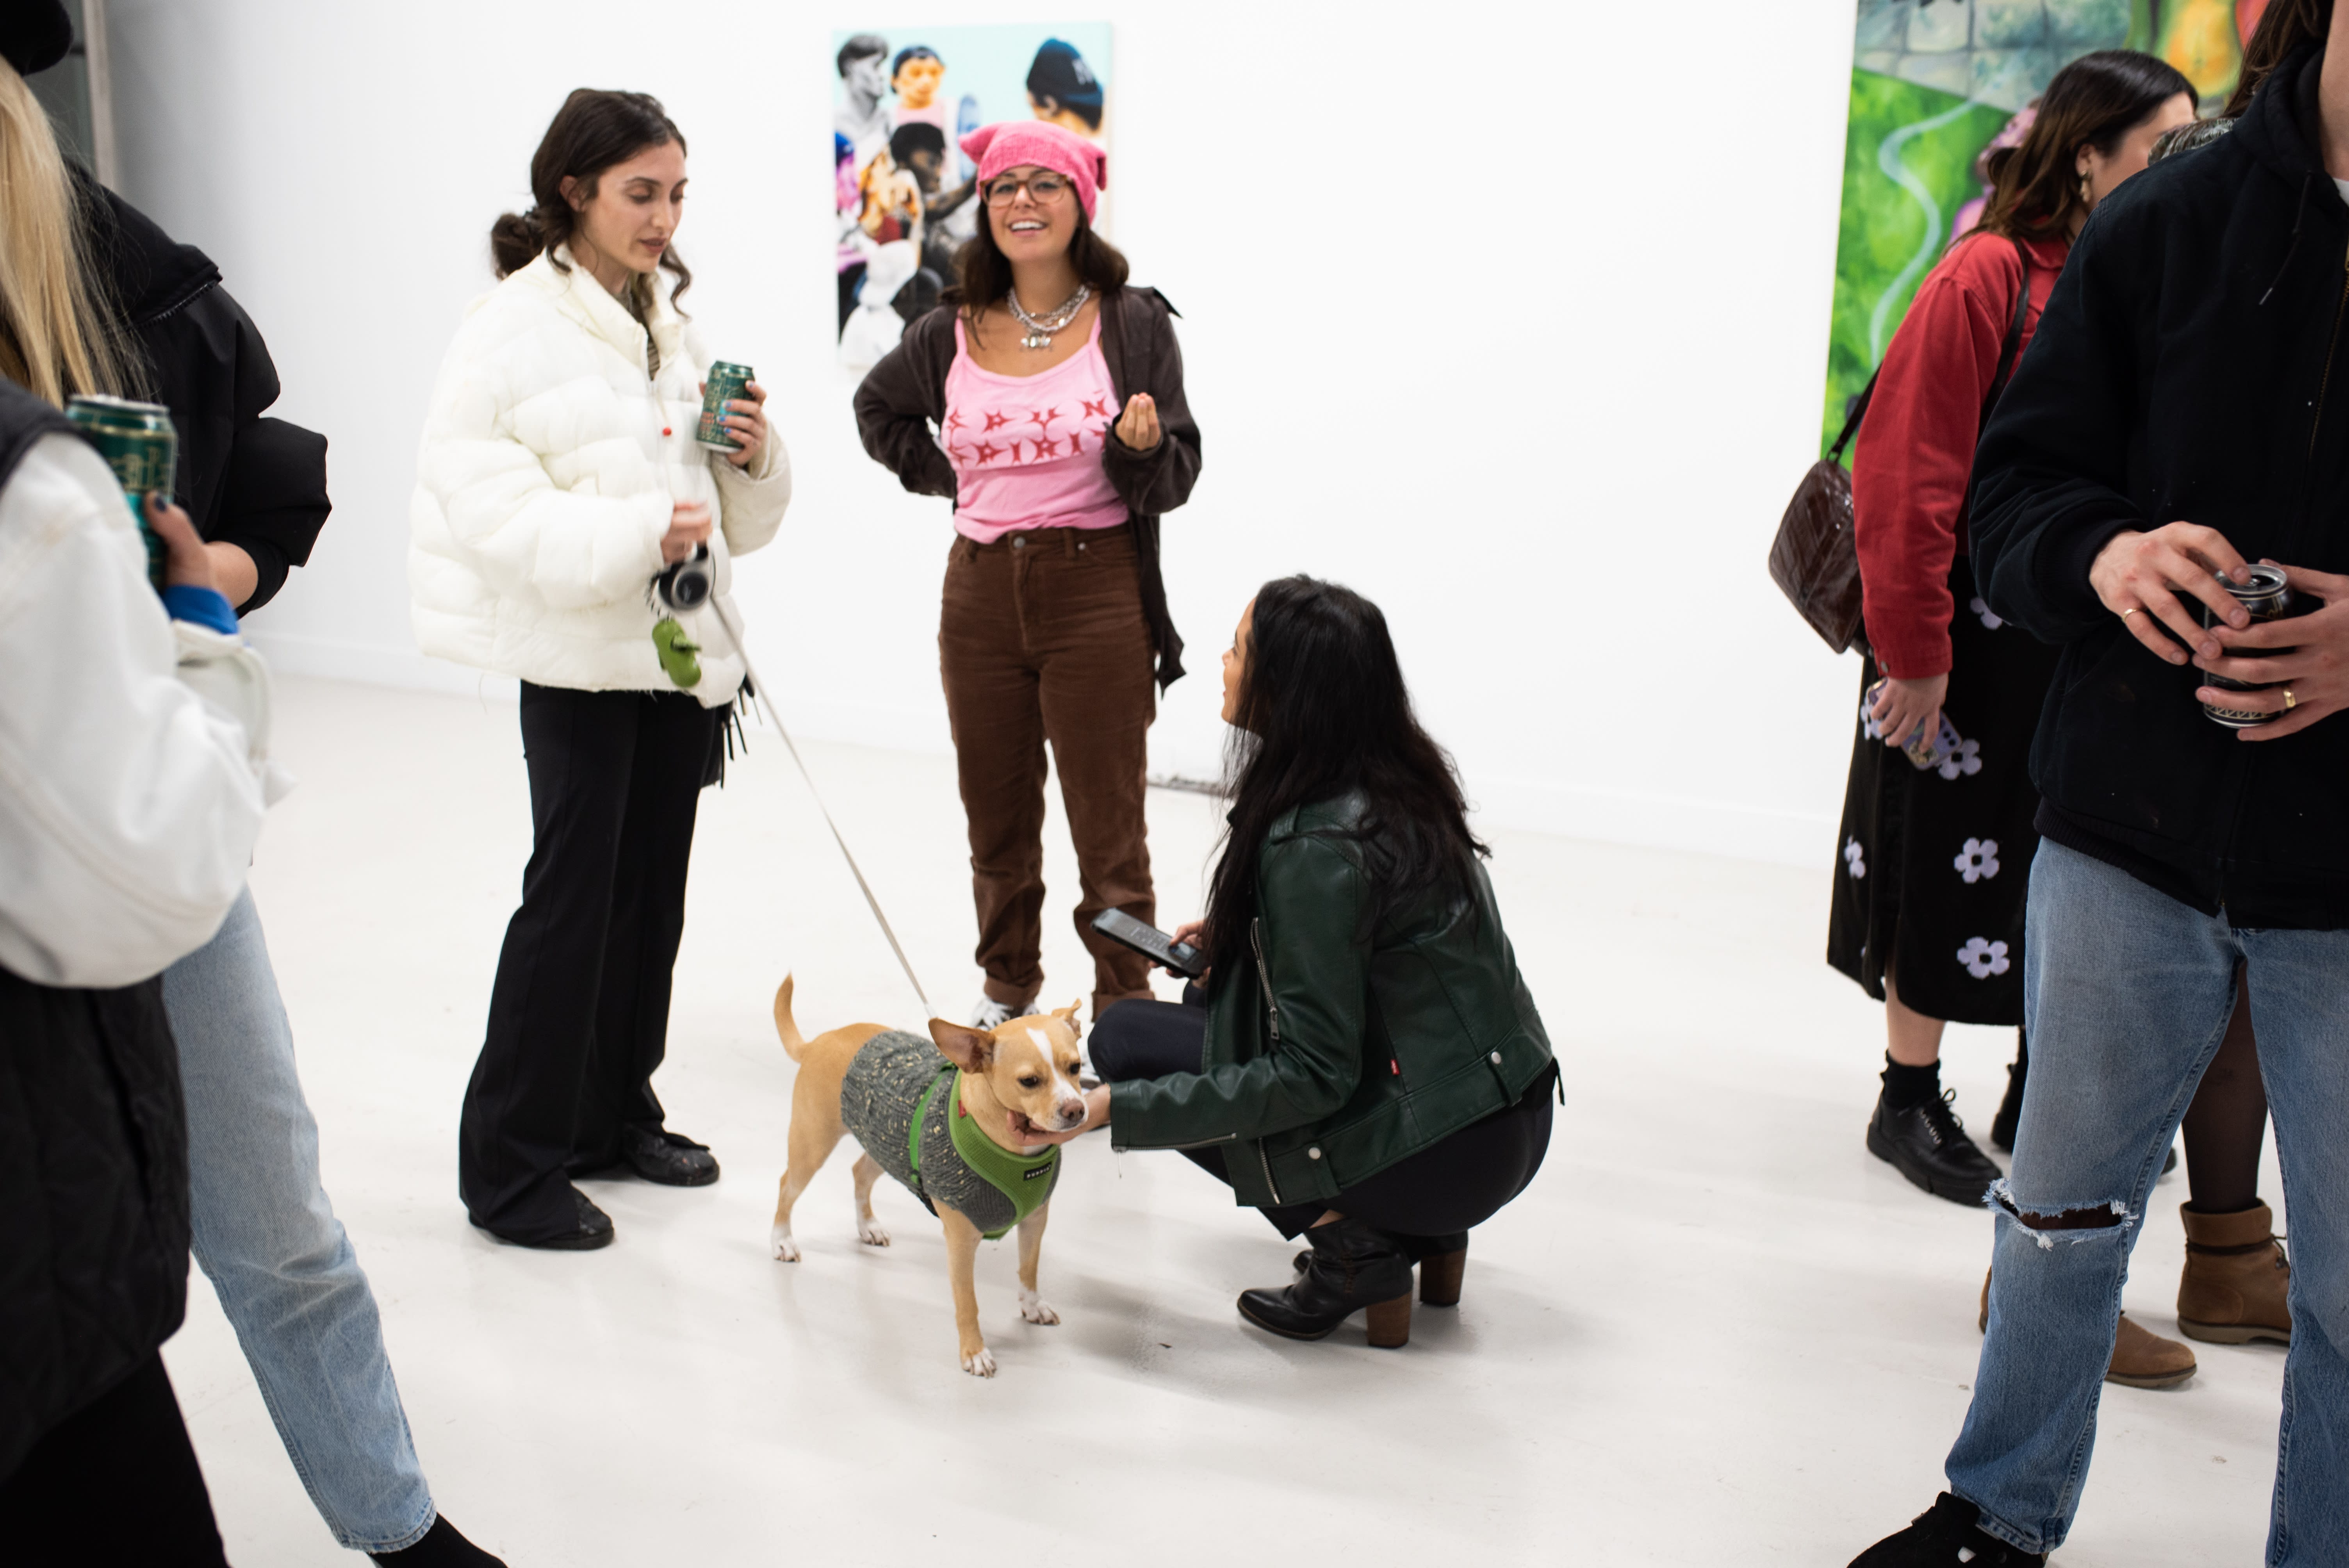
(1363, 1062)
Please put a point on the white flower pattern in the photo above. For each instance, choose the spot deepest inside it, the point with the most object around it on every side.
(1964, 758)
(1856, 859)
(1984, 959)
(1983, 611)
(1978, 860)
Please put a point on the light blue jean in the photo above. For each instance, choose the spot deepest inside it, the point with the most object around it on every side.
(268, 1239)
(2127, 993)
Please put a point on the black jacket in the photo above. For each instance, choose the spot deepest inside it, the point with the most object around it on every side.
(902, 400)
(259, 484)
(2185, 370)
(93, 1162)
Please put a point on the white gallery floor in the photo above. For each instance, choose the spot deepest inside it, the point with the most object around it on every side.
(1715, 1330)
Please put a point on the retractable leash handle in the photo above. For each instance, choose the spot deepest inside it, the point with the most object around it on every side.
(759, 690)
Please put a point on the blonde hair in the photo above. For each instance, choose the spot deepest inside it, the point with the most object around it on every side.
(55, 338)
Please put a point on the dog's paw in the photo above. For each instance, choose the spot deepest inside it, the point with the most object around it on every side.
(870, 1232)
(981, 1365)
(1036, 1309)
(781, 1247)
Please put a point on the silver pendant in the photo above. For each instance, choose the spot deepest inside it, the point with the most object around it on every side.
(1036, 340)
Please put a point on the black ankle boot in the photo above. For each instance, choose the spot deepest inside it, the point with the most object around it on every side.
(2010, 1110)
(1351, 1267)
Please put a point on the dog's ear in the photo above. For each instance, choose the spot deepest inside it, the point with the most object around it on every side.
(1068, 1015)
(969, 1050)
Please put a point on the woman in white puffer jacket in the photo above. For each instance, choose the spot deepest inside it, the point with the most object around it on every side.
(558, 477)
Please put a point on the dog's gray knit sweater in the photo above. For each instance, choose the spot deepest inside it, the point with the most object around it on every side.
(885, 1080)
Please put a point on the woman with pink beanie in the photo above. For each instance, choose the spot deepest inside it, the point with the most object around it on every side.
(1044, 397)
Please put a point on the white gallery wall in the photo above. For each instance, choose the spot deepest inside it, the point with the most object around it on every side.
(1512, 316)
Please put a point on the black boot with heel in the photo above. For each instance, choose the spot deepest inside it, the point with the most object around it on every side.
(1350, 1268)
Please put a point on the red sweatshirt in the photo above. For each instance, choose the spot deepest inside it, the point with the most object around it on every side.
(1916, 446)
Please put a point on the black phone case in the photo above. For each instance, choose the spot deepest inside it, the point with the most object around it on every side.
(1150, 942)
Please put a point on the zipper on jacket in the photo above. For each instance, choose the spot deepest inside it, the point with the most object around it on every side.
(1272, 1013)
(2331, 349)
(1272, 1008)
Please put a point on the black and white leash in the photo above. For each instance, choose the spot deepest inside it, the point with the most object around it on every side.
(759, 690)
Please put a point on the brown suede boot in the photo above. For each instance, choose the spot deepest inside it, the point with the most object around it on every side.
(2141, 1359)
(2236, 1279)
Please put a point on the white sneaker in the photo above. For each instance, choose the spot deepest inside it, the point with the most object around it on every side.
(990, 1013)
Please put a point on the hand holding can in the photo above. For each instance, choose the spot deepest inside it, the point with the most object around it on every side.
(2284, 671)
(726, 383)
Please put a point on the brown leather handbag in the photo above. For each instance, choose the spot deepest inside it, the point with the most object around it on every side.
(1815, 560)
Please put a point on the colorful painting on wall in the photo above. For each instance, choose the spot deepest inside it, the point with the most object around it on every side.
(904, 194)
(1935, 84)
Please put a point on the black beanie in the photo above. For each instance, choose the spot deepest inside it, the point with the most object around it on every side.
(34, 34)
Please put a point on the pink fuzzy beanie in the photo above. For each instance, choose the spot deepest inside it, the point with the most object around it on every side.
(1009, 143)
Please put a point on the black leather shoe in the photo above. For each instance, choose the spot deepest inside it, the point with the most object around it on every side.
(2009, 1118)
(1351, 1267)
(1928, 1144)
(440, 1547)
(594, 1230)
(1943, 1536)
(667, 1158)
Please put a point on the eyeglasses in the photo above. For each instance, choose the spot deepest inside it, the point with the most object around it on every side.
(1043, 189)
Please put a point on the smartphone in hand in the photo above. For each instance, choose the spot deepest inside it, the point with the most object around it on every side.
(1152, 942)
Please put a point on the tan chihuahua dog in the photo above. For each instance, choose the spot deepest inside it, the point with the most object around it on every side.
(893, 1091)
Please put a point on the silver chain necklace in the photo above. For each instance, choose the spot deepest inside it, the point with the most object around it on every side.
(1041, 328)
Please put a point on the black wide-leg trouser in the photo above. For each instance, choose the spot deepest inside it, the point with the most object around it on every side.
(579, 1012)
(1454, 1185)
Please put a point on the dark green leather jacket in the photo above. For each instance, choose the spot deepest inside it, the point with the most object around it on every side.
(1337, 1047)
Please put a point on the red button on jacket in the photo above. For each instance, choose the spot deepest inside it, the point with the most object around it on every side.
(1916, 447)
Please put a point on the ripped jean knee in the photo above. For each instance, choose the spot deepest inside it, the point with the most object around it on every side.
(2110, 1215)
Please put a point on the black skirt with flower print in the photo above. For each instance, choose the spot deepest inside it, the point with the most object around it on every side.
(1935, 862)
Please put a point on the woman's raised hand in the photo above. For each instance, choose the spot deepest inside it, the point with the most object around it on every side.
(1138, 426)
(2140, 578)
(746, 424)
(2314, 674)
(689, 527)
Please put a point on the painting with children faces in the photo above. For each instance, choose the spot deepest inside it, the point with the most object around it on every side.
(1938, 84)
(904, 196)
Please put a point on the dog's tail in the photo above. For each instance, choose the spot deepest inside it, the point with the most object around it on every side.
(792, 1043)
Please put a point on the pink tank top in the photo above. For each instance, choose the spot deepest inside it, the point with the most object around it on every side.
(1025, 449)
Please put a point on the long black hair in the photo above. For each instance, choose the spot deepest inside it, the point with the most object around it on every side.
(1323, 711)
(595, 128)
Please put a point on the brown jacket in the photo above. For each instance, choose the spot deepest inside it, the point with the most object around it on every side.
(903, 401)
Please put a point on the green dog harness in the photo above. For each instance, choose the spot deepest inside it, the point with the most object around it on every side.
(903, 1100)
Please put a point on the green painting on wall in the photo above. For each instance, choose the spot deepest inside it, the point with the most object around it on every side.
(1934, 83)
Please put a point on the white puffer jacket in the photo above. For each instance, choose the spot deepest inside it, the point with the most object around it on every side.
(548, 470)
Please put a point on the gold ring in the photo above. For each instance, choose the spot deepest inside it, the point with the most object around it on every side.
(2127, 613)
(2290, 701)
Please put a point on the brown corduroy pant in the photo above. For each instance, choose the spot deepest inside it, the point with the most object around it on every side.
(1041, 639)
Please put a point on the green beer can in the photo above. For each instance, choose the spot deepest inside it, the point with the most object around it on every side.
(138, 442)
(723, 385)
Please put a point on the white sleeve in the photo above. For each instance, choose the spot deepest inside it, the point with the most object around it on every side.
(128, 804)
(528, 538)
